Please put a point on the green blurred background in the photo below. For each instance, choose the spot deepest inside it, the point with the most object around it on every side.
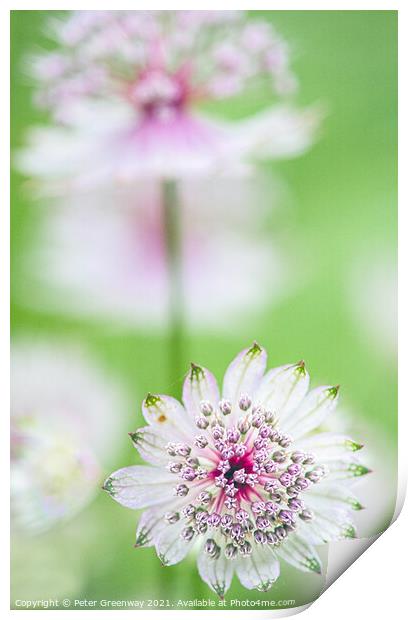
(340, 202)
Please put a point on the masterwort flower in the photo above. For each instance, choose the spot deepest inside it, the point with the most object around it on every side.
(63, 428)
(124, 86)
(245, 477)
(112, 263)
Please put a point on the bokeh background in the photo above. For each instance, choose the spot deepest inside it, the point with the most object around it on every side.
(337, 215)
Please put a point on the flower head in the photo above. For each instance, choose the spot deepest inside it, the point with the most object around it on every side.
(125, 86)
(159, 62)
(244, 476)
(112, 263)
(63, 413)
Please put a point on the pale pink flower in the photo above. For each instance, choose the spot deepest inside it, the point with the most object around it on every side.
(91, 259)
(125, 86)
(64, 432)
(244, 476)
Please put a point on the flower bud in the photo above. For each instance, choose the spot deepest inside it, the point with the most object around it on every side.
(206, 408)
(279, 456)
(200, 441)
(243, 426)
(217, 432)
(188, 533)
(242, 515)
(262, 523)
(285, 479)
(244, 402)
(210, 546)
(171, 449)
(240, 476)
(181, 490)
(298, 457)
(258, 508)
(183, 449)
(172, 517)
(188, 474)
(260, 537)
(214, 519)
(225, 406)
(188, 511)
(233, 435)
(174, 467)
(306, 515)
(245, 549)
(204, 497)
(201, 422)
(294, 469)
(231, 551)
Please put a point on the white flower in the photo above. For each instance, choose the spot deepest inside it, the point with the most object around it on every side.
(244, 476)
(111, 263)
(64, 416)
(124, 87)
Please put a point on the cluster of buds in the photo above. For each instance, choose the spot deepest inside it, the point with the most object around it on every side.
(242, 480)
(160, 61)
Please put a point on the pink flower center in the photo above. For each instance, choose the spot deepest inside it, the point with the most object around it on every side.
(240, 463)
(159, 93)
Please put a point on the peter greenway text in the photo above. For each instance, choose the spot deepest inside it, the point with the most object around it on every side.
(149, 603)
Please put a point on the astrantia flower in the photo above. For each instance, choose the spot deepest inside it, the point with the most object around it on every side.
(125, 86)
(112, 263)
(63, 417)
(244, 477)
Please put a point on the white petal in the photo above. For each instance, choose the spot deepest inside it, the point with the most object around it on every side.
(327, 525)
(151, 443)
(326, 495)
(314, 409)
(170, 546)
(327, 446)
(260, 570)
(244, 373)
(300, 554)
(277, 132)
(169, 415)
(52, 153)
(216, 573)
(140, 486)
(346, 469)
(283, 389)
(151, 524)
(199, 384)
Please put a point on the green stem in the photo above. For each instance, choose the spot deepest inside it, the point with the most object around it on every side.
(173, 242)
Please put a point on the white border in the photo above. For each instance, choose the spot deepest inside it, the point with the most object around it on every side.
(375, 584)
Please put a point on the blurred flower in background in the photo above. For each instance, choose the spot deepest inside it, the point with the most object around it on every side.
(64, 432)
(110, 263)
(245, 476)
(123, 86)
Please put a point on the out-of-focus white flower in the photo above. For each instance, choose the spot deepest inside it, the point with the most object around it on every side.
(64, 417)
(111, 263)
(124, 86)
(244, 475)
(372, 295)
